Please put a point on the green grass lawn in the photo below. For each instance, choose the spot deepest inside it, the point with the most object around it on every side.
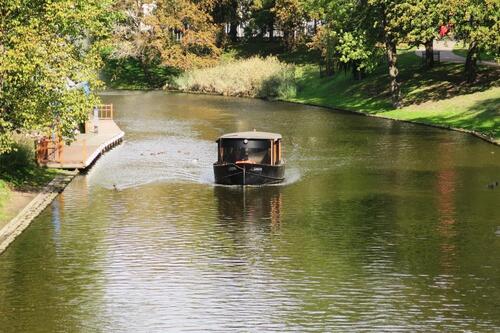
(461, 50)
(438, 96)
(4, 196)
(18, 171)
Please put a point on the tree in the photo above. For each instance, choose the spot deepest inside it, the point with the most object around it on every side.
(477, 23)
(420, 20)
(357, 32)
(42, 45)
(261, 18)
(177, 33)
(290, 17)
(227, 11)
(343, 40)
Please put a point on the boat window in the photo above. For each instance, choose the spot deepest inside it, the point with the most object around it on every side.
(256, 151)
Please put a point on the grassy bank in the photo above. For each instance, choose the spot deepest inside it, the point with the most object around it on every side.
(461, 50)
(20, 174)
(437, 97)
(4, 197)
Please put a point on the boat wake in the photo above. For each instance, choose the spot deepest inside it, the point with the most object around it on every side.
(168, 159)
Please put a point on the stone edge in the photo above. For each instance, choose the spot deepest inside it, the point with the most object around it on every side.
(23, 220)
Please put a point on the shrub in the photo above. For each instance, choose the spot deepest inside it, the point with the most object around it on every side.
(253, 77)
(18, 167)
(4, 196)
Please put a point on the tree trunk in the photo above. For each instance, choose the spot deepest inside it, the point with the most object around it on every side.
(429, 53)
(271, 31)
(234, 20)
(393, 73)
(286, 37)
(145, 70)
(233, 31)
(221, 36)
(289, 37)
(471, 63)
(357, 74)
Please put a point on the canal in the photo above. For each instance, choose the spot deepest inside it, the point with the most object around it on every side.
(379, 226)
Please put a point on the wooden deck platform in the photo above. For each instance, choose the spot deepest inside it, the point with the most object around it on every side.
(82, 152)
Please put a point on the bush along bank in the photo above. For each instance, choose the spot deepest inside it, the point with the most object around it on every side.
(254, 77)
(20, 174)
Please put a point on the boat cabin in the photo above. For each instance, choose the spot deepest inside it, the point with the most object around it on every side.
(250, 148)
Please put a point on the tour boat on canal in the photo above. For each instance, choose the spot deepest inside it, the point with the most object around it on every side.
(249, 158)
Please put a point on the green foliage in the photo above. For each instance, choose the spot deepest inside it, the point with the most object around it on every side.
(128, 74)
(348, 50)
(261, 18)
(290, 17)
(459, 49)
(476, 23)
(42, 43)
(176, 33)
(356, 32)
(246, 49)
(254, 77)
(18, 168)
(420, 20)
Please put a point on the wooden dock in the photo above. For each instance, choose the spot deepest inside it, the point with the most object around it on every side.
(86, 148)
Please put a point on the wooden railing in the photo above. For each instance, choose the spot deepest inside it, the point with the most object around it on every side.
(52, 151)
(105, 111)
(48, 150)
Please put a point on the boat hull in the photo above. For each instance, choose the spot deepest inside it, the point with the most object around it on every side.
(248, 174)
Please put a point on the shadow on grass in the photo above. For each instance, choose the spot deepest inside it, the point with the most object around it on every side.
(20, 170)
(418, 85)
(443, 82)
(342, 91)
(483, 116)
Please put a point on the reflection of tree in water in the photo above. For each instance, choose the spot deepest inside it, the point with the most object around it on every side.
(249, 204)
(446, 207)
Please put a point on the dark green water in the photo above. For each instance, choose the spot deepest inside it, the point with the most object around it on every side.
(381, 226)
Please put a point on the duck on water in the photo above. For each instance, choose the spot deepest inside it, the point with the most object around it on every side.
(249, 158)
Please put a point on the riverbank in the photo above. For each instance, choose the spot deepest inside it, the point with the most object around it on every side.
(437, 97)
(12, 202)
(21, 180)
(10, 230)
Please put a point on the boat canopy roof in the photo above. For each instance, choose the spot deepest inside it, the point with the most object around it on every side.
(251, 135)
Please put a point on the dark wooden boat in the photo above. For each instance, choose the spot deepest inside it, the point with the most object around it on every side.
(249, 158)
